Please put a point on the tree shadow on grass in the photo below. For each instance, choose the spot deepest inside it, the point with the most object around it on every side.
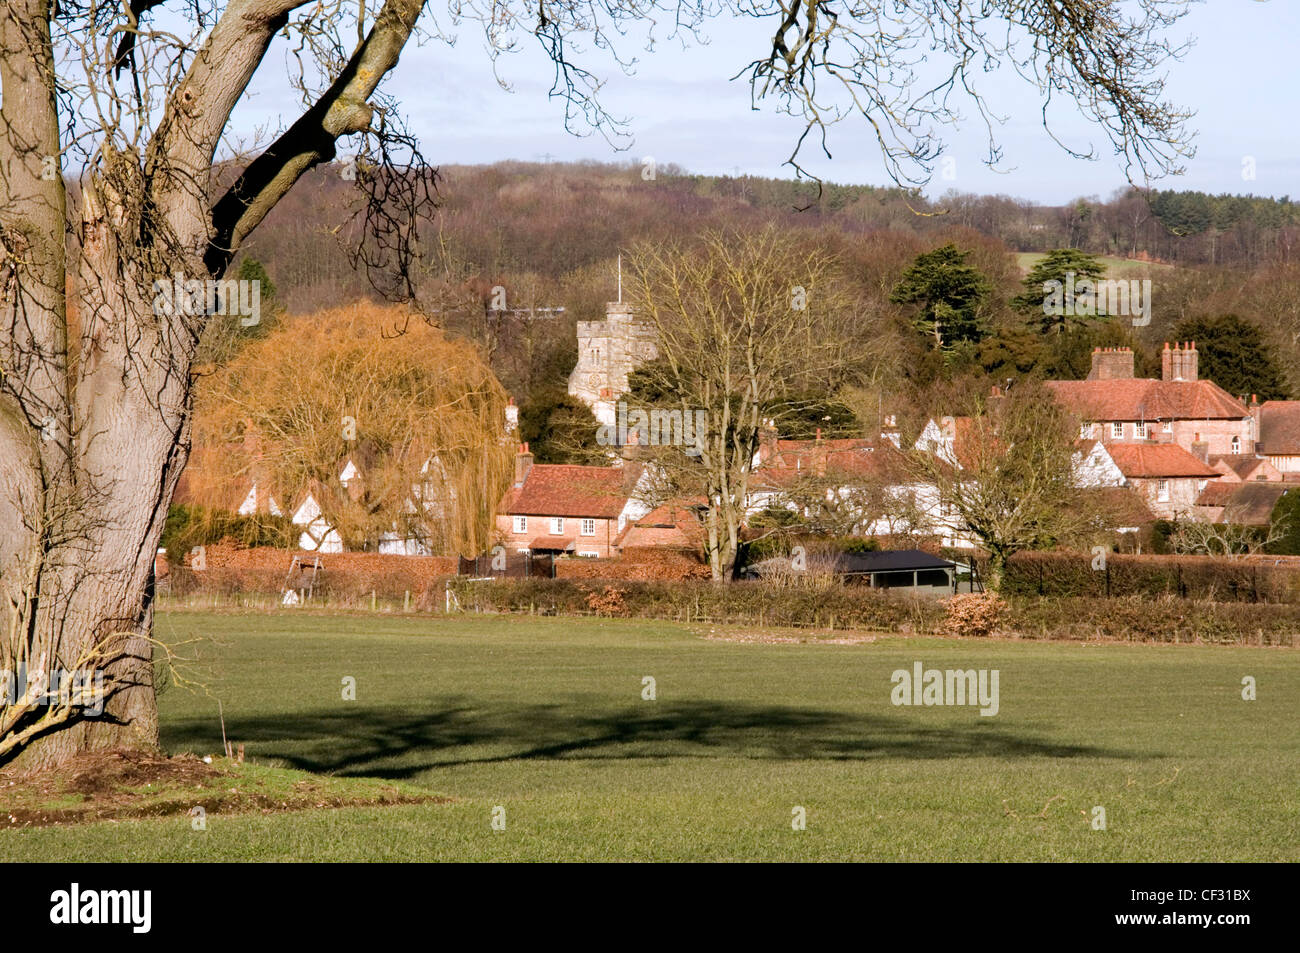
(399, 744)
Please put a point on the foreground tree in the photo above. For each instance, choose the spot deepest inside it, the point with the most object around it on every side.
(97, 388)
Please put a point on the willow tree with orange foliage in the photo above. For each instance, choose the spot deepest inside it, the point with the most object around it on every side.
(419, 414)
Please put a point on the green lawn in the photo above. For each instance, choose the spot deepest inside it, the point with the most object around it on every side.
(544, 718)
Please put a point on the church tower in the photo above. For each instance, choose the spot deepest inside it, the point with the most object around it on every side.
(608, 351)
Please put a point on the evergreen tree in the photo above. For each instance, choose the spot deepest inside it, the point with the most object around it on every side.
(1231, 352)
(1060, 286)
(949, 293)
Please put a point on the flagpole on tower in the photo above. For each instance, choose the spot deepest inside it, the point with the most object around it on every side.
(620, 277)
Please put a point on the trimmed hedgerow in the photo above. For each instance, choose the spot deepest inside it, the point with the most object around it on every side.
(1197, 577)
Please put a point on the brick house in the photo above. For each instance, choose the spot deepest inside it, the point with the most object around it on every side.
(1167, 477)
(1179, 408)
(563, 509)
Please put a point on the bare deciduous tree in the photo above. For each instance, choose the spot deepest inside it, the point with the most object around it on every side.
(744, 321)
(1010, 483)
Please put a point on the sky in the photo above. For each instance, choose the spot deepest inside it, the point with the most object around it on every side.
(1242, 78)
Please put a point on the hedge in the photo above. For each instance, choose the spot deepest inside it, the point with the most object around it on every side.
(1198, 577)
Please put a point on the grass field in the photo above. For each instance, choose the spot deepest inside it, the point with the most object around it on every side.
(1115, 267)
(545, 719)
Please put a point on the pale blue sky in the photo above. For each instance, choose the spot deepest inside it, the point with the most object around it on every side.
(1242, 77)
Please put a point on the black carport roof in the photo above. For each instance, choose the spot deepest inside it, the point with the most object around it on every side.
(892, 560)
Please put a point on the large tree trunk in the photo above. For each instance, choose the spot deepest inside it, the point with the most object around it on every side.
(93, 438)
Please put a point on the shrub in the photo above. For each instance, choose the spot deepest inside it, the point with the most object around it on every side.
(977, 614)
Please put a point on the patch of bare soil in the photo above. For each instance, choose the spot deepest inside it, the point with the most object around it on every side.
(119, 785)
(778, 636)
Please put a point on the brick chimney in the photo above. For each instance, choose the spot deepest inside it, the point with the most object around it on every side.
(523, 463)
(1179, 363)
(1111, 364)
(819, 455)
(767, 438)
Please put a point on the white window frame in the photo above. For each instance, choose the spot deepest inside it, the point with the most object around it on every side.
(583, 527)
(1140, 430)
(1236, 446)
(521, 524)
(1168, 427)
(588, 554)
(557, 525)
(1162, 491)
(1117, 430)
(1085, 431)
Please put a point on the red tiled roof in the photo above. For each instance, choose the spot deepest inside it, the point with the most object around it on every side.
(1279, 427)
(1117, 505)
(847, 459)
(1141, 399)
(1157, 460)
(553, 489)
(1217, 493)
(1241, 466)
(562, 543)
(1247, 504)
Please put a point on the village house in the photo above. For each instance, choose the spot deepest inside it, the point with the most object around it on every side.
(1167, 477)
(560, 509)
(1179, 408)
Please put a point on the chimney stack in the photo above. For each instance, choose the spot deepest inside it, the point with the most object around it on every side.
(523, 463)
(767, 443)
(1179, 363)
(1111, 364)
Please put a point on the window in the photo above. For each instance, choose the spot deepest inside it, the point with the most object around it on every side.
(521, 524)
(1162, 491)
(1168, 427)
(588, 555)
(557, 525)
(1140, 430)
(1117, 430)
(1085, 431)
(1236, 445)
(588, 527)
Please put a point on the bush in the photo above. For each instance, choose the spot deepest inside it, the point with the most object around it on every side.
(976, 614)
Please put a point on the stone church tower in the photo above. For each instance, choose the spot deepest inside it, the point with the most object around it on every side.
(607, 352)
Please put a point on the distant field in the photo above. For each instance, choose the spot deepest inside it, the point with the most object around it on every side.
(1115, 267)
(545, 719)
